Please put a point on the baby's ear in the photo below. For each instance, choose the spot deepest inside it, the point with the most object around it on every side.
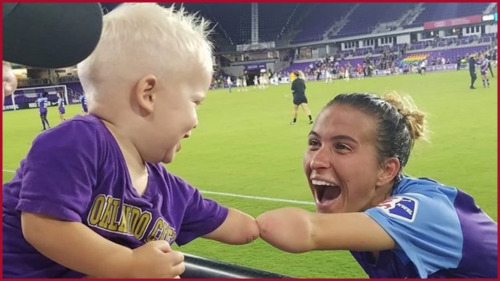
(145, 93)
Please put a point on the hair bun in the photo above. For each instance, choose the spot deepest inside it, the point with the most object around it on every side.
(413, 117)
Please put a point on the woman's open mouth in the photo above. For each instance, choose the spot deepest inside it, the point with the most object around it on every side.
(325, 194)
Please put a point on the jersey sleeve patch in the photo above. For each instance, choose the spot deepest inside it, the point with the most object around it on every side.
(400, 207)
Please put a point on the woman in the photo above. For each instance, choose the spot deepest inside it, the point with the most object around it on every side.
(42, 103)
(60, 105)
(483, 65)
(395, 226)
(299, 97)
(83, 101)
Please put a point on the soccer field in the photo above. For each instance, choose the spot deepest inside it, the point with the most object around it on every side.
(244, 154)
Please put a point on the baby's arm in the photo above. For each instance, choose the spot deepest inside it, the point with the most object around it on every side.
(296, 230)
(75, 246)
(238, 228)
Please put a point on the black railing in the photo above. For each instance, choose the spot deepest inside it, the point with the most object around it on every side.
(198, 267)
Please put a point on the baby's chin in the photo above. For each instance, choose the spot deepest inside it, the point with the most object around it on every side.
(169, 156)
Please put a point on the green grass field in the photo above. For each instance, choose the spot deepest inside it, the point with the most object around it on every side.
(244, 145)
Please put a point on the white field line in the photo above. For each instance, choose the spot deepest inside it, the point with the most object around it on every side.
(258, 197)
(237, 195)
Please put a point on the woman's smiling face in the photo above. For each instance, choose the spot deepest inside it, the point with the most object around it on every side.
(341, 161)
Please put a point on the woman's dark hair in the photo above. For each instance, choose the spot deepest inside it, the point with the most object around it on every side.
(400, 123)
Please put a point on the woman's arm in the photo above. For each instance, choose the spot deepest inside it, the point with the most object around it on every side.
(297, 230)
(238, 228)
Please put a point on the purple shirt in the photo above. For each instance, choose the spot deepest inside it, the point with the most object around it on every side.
(76, 172)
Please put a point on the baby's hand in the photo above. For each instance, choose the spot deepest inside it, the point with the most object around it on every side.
(156, 260)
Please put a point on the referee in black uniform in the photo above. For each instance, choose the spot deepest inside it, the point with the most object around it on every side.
(299, 97)
(472, 70)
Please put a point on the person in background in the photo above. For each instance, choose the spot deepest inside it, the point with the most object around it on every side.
(229, 82)
(483, 68)
(60, 106)
(488, 56)
(112, 209)
(423, 66)
(472, 71)
(239, 83)
(395, 226)
(83, 102)
(42, 103)
(244, 78)
(299, 97)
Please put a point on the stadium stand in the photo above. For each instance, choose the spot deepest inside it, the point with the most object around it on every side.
(320, 19)
(440, 11)
(368, 16)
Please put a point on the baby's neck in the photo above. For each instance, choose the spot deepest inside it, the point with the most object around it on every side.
(135, 165)
(129, 150)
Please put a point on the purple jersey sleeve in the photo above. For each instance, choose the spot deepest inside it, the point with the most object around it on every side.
(58, 182)
(201, 216)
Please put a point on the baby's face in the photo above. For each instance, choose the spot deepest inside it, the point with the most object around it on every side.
(176, 114)
(9, 80)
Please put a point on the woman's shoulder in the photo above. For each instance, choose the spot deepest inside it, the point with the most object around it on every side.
(424, 189)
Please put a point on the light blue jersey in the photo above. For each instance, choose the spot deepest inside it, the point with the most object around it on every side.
(439, 233)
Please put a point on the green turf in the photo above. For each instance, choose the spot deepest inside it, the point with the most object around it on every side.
(245, 145)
